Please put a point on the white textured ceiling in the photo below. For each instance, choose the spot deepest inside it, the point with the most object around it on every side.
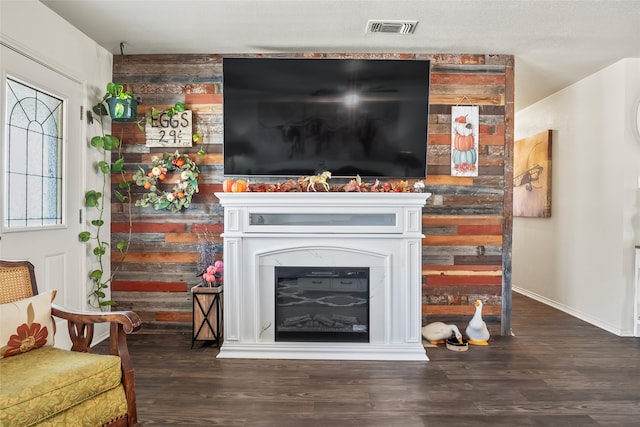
(555, 43)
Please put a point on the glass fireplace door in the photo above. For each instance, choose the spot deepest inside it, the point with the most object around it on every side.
(329, 304)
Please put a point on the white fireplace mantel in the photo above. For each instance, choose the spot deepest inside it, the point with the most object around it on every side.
(381, 231)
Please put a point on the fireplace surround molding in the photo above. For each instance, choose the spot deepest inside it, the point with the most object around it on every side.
(380, 231)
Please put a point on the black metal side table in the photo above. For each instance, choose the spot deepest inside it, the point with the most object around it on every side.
(207, 314)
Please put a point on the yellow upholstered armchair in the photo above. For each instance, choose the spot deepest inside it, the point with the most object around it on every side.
(44, 385)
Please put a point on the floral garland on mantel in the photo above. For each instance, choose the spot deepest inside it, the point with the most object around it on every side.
(356, 185)
(183, 189)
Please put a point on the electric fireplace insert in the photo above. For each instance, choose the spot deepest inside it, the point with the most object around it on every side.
(322, 304)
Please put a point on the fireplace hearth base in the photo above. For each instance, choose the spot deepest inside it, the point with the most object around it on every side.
(324, 351)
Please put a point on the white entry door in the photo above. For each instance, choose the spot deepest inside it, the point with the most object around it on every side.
(41, 169)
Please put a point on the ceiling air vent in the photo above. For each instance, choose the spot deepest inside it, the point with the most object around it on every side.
(393, 27)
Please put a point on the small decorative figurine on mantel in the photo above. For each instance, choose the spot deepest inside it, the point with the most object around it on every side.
(320, 179)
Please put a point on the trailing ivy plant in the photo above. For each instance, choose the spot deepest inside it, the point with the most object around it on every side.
(116, 90)
(94, 199)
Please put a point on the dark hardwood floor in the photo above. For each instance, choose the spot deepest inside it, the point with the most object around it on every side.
(555, 371)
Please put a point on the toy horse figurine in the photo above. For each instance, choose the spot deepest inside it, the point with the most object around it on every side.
(312, 180)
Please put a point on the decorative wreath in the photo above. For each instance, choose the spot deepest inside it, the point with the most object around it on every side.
(182, 191)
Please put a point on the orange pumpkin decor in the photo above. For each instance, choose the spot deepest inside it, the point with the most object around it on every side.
(463, 142)
(239, 186)
(227, 185)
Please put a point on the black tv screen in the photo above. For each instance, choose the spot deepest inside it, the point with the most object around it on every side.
(298, 117)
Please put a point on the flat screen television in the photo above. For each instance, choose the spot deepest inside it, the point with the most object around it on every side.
(291, 117)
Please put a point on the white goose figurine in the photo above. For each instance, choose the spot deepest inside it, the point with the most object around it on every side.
(477, 330)
(438, 332)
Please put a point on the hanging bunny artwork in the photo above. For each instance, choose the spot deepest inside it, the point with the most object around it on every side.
(464, 140)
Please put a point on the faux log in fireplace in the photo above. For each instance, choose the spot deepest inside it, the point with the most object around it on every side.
(322, 304)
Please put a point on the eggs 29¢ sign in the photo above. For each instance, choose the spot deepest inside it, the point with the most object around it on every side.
(174, 131)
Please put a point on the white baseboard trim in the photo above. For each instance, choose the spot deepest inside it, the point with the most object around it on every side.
(582, 316)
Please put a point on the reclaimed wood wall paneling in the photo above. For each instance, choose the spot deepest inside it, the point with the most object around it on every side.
(467, 244)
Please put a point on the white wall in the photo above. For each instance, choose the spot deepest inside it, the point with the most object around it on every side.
(581, 260)
(34, 30)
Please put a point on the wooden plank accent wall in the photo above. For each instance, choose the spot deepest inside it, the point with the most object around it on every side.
(467, 222)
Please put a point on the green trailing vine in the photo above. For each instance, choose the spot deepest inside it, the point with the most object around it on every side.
(95, 199)
(116, 90)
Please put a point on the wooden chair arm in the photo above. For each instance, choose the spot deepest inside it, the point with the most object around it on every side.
(81, 327)
(128, 319)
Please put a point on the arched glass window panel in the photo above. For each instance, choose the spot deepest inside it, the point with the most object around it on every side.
(33, 157)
